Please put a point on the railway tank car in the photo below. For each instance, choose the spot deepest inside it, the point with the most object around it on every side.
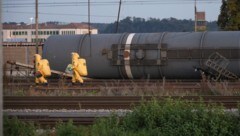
(148, 55)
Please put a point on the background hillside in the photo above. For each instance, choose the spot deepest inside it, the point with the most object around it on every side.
(141, 25)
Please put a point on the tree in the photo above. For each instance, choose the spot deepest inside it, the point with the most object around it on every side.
(229, 18)
(223, 17)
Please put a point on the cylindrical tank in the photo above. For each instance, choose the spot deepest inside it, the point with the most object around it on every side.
(148, 55)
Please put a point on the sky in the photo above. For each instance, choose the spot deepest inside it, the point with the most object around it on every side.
(105, 11)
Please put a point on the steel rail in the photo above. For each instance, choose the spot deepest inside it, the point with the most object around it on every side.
(97, 85)
(103, 102)
(90, 102)
(52, 121)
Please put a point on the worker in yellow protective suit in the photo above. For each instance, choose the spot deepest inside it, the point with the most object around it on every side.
(79, 68)
(42, 69)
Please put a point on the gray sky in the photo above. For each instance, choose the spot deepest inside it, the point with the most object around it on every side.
(105, 11)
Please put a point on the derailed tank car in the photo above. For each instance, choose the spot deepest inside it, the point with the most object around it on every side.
(148, 55)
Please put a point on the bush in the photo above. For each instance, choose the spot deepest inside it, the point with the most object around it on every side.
(107, 127)
(171, 117)
(68, 129)
(14, 127)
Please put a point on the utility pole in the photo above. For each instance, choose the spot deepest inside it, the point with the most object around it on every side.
(119, 10)
(31, 22)
(36, 34)
(89, 31)
(36, 24)
(195, 13)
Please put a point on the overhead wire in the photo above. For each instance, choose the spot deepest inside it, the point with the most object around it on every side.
(61, 14)
(106, 3)
(28, 4)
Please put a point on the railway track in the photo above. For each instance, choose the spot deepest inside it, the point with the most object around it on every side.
(52, 121)
(102, 102)
(47, 111)
(195, 86)
(110, 82)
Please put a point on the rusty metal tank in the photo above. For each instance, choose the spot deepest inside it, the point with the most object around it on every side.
(147, 55)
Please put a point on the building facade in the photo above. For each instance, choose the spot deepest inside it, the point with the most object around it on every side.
(27, 33)
(201, 21)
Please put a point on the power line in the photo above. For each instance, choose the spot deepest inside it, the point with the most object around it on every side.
(111, 1)
(106, 3)
(30, 4)
(62, 14)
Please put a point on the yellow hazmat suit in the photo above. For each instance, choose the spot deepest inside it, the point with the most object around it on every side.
(42, 69)
(79, 68)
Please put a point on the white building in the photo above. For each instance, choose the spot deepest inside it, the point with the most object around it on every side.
(26, 33)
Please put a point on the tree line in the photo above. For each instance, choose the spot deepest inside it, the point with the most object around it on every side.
(228, 20)
(141, 25)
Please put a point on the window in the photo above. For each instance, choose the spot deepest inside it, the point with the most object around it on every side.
(84, 32)
(47, 32)
(39, 40)
(201, 23)
(25, 32)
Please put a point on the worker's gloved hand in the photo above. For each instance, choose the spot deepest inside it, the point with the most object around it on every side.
(38, 74)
